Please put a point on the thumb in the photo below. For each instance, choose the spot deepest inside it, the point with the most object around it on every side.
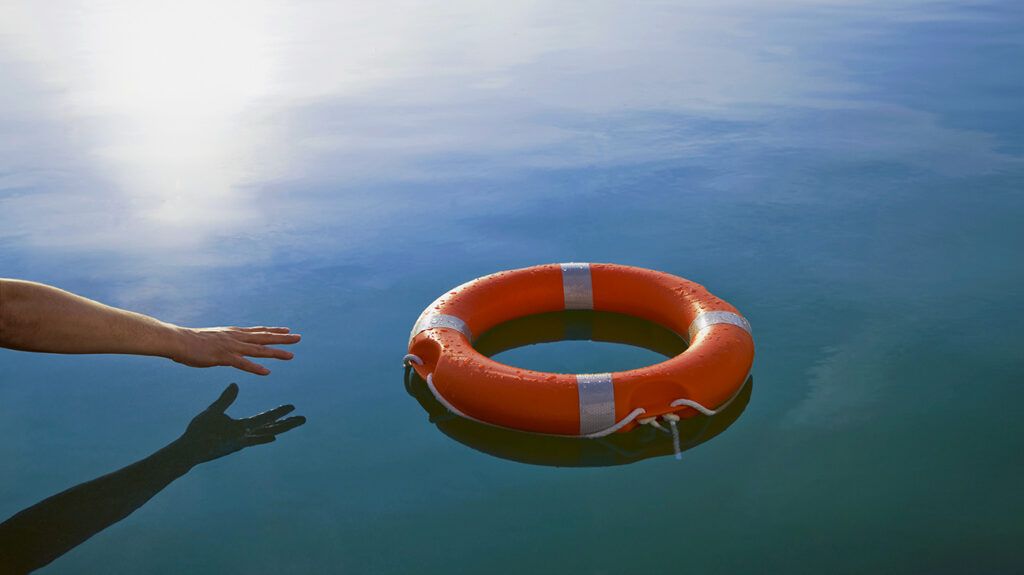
(226, 399)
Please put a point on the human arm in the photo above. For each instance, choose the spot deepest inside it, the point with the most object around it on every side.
(41, 533)
(42, 318)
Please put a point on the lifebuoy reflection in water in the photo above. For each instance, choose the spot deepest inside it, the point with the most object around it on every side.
(642, 443)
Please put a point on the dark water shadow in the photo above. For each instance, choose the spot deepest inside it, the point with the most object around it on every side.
(38, 535)
(642, 443)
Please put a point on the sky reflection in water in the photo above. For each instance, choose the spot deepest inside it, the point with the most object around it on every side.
(175, 126)
(847, 173)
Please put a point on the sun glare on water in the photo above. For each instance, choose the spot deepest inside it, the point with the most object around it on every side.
(164, 94)
(178, 79)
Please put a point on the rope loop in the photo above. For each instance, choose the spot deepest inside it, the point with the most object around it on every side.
(653, 422)
(410, 359)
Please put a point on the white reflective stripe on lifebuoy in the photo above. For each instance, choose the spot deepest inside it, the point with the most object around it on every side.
(710, 318)
(433, 320)
(597, 402)
(576, 286)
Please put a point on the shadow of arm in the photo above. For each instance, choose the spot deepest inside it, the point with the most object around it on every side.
(39, 534)
(36, 536)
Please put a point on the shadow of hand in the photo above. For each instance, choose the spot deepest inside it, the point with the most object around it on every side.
(43, 532)
(213, 434)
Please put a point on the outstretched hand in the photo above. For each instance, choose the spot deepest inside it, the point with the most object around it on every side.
(213, 434)
(229, 346)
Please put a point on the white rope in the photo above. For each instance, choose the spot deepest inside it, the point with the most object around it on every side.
(411, 358)
(444, 402)
(672, 418)
(704, 410)
(693, 404)
(653, 422)
(607, 431)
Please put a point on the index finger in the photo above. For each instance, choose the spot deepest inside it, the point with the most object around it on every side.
(268, 329)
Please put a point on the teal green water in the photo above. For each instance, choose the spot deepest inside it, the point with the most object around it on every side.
(848, 174)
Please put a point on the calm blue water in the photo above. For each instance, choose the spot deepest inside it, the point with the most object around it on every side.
(848, 174)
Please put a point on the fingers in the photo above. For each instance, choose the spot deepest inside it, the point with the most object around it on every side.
(243, 364)
(227, 397)
(263, 328)
(279, 427)
(253, 350)
(238, 342)
(269, 338)
(250, 440)
(270, 416)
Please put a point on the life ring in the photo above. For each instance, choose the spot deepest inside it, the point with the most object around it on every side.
(704, 378)
(562, 451)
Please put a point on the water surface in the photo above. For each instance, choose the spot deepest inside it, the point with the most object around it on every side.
(848, 174)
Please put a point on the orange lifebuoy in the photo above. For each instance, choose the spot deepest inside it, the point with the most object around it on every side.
(703, 378)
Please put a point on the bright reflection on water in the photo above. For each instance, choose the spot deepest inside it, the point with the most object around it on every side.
(846, 173)
(194, 120)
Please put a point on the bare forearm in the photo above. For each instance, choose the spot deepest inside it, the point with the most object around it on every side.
(37, 317)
